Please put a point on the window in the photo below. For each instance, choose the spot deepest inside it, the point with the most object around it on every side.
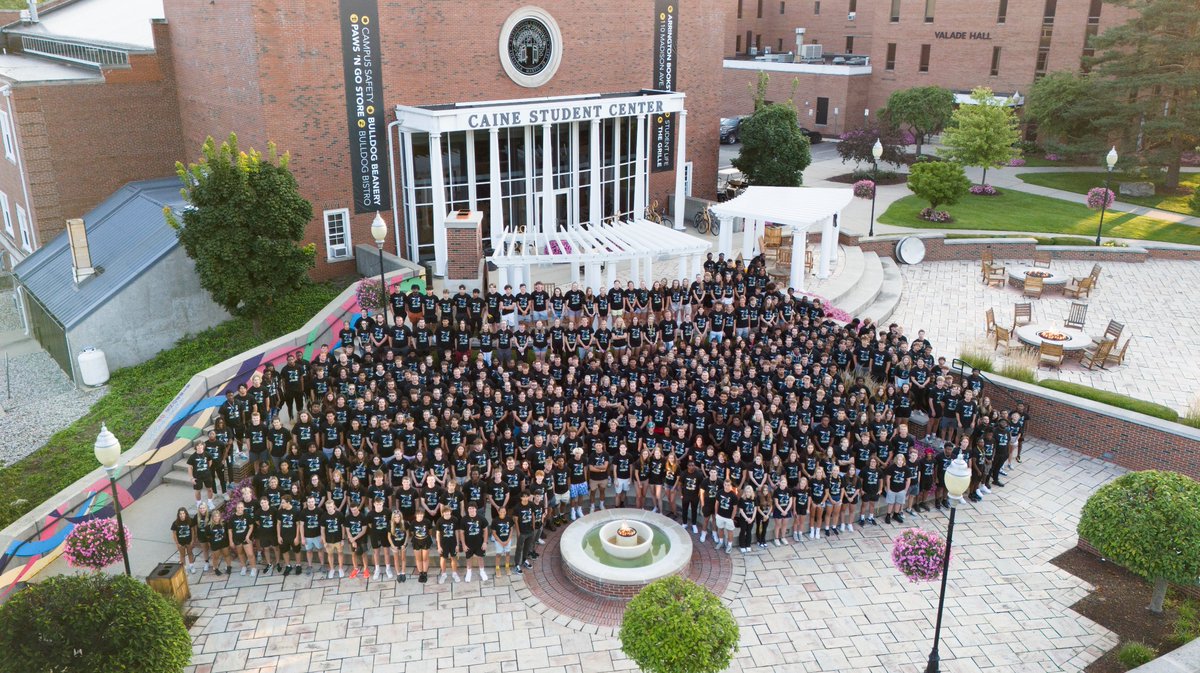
(758, 42)
(1094, 11)
(853, 5)
(849, 44)
(1042, 57)
(337, 235)
(6, 131)
(817, 7)
(737, 49)
(739, 9)
(23, 223)
(924, 66)
(995, 61)
(7, 215)
(1002, 13)
(760, 4)
(1048, 13)
(782, 6)
(895, 11)
(822, 111)
(780, 48)
(890, 63)
(929, 10)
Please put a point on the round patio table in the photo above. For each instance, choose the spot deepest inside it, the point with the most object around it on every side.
(1049, 278)
(1038, 333)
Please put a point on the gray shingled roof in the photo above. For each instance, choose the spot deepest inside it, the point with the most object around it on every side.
(127, 234)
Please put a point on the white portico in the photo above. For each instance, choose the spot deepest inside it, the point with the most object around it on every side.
(548, 167)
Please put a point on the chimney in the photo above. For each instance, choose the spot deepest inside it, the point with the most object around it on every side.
(799, 41)
(81, 256)
(33, 16)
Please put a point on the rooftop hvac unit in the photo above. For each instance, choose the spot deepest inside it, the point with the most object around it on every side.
(811, 52)
(851, 16)
(753, 51)
(767, 50)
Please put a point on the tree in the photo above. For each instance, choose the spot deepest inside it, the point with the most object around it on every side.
(676, 626)
(982, 133)
(774, 151)
(857, 144)
(244, 226)
(925, 110)
(1064, 106)
(1149, 82)
(938, 182)
(1149, 523)
(92, 622)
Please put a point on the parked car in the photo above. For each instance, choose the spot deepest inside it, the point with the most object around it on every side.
(730, 126)
(814, 137)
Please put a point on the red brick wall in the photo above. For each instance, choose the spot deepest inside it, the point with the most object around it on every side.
(464, 248)
(846, 94)
(281, 61)
(937, 250)
(83, 141)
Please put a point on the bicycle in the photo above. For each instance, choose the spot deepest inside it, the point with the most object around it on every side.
(704, 220)
(653, 214)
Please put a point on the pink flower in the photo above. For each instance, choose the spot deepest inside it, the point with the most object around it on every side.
(919, 554)
(864, 189)
(1099, 197)
(94, 544)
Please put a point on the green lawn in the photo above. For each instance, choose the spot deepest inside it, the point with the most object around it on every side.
(1080, 183)
(135, 397)
(16, 4)
(1018, 211)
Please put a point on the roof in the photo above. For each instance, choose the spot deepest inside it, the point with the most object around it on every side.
(21, 68)
(127, 234)
(124, 23)
(799, 207)
(597, 242)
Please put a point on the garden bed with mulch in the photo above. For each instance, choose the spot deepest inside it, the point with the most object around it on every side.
(1120, 604)
(851, 178)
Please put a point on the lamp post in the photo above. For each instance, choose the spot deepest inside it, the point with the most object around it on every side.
(379, 233)
(1111, 160)
(958, 478)
(877, 152)
(108, 453)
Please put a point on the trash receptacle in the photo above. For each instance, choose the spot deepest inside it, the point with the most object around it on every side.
(170, 580)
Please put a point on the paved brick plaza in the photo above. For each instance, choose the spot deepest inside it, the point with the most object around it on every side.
(818, 606)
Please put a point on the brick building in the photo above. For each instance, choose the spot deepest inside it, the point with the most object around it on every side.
(860, 51)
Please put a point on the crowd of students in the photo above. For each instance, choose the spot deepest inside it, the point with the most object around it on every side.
(469, 426)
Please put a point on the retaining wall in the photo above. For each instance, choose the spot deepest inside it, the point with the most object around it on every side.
(938, 248)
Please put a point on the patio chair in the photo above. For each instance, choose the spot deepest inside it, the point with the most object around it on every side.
(991, 321)
(1095, 276)
(1042, 258)
(1033, 287)
(1111, 333)
(1078, 288)
(1022, 313)
(987, 257)
(1096, 355)
(1118, 356)
(1003, 336)
(772, 238)
(1050, 355)
(782, 269)
(1077, 316)
(808, 260)
(995, 275)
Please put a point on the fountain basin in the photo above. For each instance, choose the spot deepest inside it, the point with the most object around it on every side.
(594, 560)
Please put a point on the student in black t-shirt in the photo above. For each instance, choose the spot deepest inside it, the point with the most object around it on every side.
(447, 544)
(357, 537)
(219, 543)
(473, 530)
(288, 534)
(421, 531)
(200, 470)
(871, 483)
(241, 537)
(896, 479)
(266, 535)
(747, 513)
(332, 535)
(397, 534)
(184, 532)
(378, 518)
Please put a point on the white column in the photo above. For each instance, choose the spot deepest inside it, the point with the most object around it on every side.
(574, 206)
(680, 166)
(748, 242)
(496, 199)
(502, 278)
(471, 175)
(591, 276)
(574, 272)
(826, 249)
(639, 171)
(648, 271)
(547, 196)
(616, 143)
(634, 269)
(527, 276)
(697, 266)
(725, 236)
(595, 207)
(610, 274)
(798, 245)
(439, 204)
(683, 267)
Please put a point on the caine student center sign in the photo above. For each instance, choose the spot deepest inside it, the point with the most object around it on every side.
(359, 20)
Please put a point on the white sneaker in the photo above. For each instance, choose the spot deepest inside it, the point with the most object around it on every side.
(442, 578)
(207, 567)
(330, 576)
(341, 572)
(850, 527)
(694, 531)
(720, 543)
(468, 578)
(684, 524)
(388, 570)
(253, 572)
(541, 540)
(482, 575)
(376, 575)
(210, 505)
(243, 571)
(191, 568)
(703, 536)
(778, 543)
(601, 506)
(456, 577)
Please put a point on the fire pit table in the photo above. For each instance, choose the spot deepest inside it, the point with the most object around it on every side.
(1017, 276)
(1037, 334)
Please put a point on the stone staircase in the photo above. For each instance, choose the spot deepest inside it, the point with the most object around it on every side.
(864, 285)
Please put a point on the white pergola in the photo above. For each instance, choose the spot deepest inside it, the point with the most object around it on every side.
(800, 208)
(638, 242)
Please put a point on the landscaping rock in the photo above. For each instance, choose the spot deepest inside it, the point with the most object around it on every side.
(1136, 189)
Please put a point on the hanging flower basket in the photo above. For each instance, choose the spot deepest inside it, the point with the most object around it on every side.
(1099, 197)
(94, 544)
(864, 189)
(370, 294)
(918, 555)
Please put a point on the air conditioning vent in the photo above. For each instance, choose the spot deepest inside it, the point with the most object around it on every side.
(851, 16)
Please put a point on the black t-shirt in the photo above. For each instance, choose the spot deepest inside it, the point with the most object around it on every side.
(896, 478)
(332, 525)
(182, 530)
(502, 528)
(473, 528)
(312, 522)
(201, 464)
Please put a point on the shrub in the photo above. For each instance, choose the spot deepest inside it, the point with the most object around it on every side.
(1192, 417)
(931, 215)
(1053, 157)
(1149, 523)
(984, 190)
(1021, 367)
(92, 622)
(95, 544)
(1114, 399)
(941, 183)
(919, 555)
(1016, 162)
(868, 174)
(978, 356)
(677, 626)
(1098, 197)
(1132, 655)
(1187, 623)
(1194, 203)
(864, 189)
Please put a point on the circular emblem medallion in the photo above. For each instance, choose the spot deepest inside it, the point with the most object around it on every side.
(530, 46)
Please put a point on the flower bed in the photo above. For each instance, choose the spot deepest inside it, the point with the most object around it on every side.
(94, 544)
(1016, 162)
(918, 555)
(1053, 157)
(558, 247)
(984, 190)
(931, 215)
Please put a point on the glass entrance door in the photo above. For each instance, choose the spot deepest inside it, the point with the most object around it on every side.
(563, 212)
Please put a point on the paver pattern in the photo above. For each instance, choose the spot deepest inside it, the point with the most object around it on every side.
(825, 605)
(1156, 301)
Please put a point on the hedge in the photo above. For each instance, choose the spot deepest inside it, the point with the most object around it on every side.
(1114, 399)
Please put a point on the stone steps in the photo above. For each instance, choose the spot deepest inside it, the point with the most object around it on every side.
(843, 281)
(866, 286)
(888, 299)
